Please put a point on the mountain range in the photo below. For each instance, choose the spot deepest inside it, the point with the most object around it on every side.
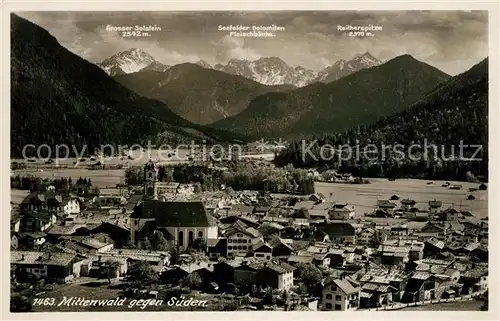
(268, 71)
(357, 99)
(198, 94)
(59, 98)
(455, 112)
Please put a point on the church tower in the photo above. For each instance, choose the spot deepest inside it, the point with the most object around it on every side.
(150, 180)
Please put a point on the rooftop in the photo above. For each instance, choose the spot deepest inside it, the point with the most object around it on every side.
(42, 258)
(173, 214)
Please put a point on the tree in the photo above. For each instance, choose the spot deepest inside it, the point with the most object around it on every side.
(159, 242)
(142, 274)
(145, 244)
(110, 270)
(95, 191)
(284, 298)
(269, 296)
(266, 229)
(199, 244)
(310, 275)
(20, 303)
(302, 289)
(134, 175)
(485, 306)
(192, 280)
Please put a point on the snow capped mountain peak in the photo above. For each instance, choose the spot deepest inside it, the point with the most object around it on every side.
(268, 71)
(344, 68)
(204, 64)
(367, 59)
(129, 61)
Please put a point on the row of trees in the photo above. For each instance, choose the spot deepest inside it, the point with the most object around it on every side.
(82, 186)
(240, 175)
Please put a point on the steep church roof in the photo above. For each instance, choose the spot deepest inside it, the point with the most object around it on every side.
(173, 214)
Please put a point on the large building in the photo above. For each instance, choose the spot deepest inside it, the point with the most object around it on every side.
(181, 222)
(340, 295)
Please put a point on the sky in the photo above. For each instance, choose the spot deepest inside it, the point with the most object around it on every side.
(452, 41)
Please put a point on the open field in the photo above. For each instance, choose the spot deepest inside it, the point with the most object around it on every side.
(365, 196)
(99, 178)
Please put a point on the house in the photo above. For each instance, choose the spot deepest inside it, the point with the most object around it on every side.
(321, 210)
(374, 295)
(162, 188)
(394, 255)
(34, 221)
(338, 232)
(231, 219)
(300, 259)
(109, 201)
(407, 204)
(480, 253)
(381, 213)
(466, 249)
(317, 198)
(240, 238)
(399, 230)
(156, 259)
(340, 295)
(53, 267)
(303, 207)
(32, 240)
(386, 206)
(420, 287)
(240, 210)
(224, 272)
(217, 248)
(276, 275)
(263, 250)
(366, 236)
(322, 259)
(433, 247)
(474, 279)
(52, 202)
(93, 265)
(94, 245)
(455, 236)
(393, 276)
(281, 247)
(261, 210)
(246, 273)
(118, 232)
(342, 211)
(434, 227)
(450, 214)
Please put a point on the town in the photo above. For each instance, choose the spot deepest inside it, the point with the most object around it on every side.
(246, 249)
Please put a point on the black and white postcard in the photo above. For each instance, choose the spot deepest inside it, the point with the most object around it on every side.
(329, 160)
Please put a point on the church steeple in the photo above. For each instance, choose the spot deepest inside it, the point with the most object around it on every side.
(150, 180)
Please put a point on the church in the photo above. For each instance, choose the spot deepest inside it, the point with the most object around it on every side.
(180, 222)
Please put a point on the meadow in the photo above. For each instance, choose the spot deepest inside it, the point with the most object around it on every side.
(365, 196)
